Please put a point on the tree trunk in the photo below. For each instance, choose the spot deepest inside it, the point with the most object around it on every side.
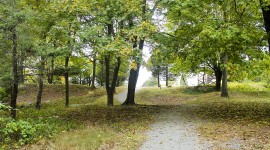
(15, 85)
(110, 89)
(94, 74)
(50, 73)
(224, 91)
(167, 78)
(40, 82)
(218, 75)
(66, 80)
(266, 17)
(158, 78)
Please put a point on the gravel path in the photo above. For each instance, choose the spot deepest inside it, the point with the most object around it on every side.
(171, 132)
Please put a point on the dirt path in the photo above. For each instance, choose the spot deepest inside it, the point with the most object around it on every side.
(172, 132)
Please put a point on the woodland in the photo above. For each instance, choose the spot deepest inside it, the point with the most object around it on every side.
(64, 62)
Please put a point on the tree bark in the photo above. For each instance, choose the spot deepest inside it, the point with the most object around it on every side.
(224, 91)
(94, 74)
(266, 17)
(218, 75)
(66, 80)
(40, 82)
(15, 85)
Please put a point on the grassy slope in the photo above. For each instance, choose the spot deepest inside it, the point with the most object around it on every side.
(87, 124)
(243, 118)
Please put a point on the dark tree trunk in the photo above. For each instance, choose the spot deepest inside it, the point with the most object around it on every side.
(40, 82)
(158, 78)
(167, 77)
(15, 84)
(50, 75)
(66, 80)
(110, 89)
(224, 90)
(94, 74)
(266, 17)
(218, 75)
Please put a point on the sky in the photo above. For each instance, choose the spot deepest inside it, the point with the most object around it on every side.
(144, 74)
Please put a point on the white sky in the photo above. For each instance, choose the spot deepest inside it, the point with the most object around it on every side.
(144, 74)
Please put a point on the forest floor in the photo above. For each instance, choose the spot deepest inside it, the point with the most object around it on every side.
(167, 118)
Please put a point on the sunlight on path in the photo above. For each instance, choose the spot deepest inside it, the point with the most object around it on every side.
(171, 132)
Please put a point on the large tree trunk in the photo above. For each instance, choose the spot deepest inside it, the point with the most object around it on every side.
(66, 80)
(40, 82)
(266, 17)
(224, 90)
(218, 75)
(14, 92)
(94, 74)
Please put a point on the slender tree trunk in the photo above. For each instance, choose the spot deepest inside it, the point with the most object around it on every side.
(218, 75)
(158, 78)
(266, 17)
(111, 88)
(224, 91)
(94, 74)
(40, 82)
(167, 77)
(66, 80)
(107, 78)
(203, 74)
(50, 75)
(15, 85)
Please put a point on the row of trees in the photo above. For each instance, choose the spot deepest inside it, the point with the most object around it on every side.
(55, 39)
(102, 40)
(221, 36)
